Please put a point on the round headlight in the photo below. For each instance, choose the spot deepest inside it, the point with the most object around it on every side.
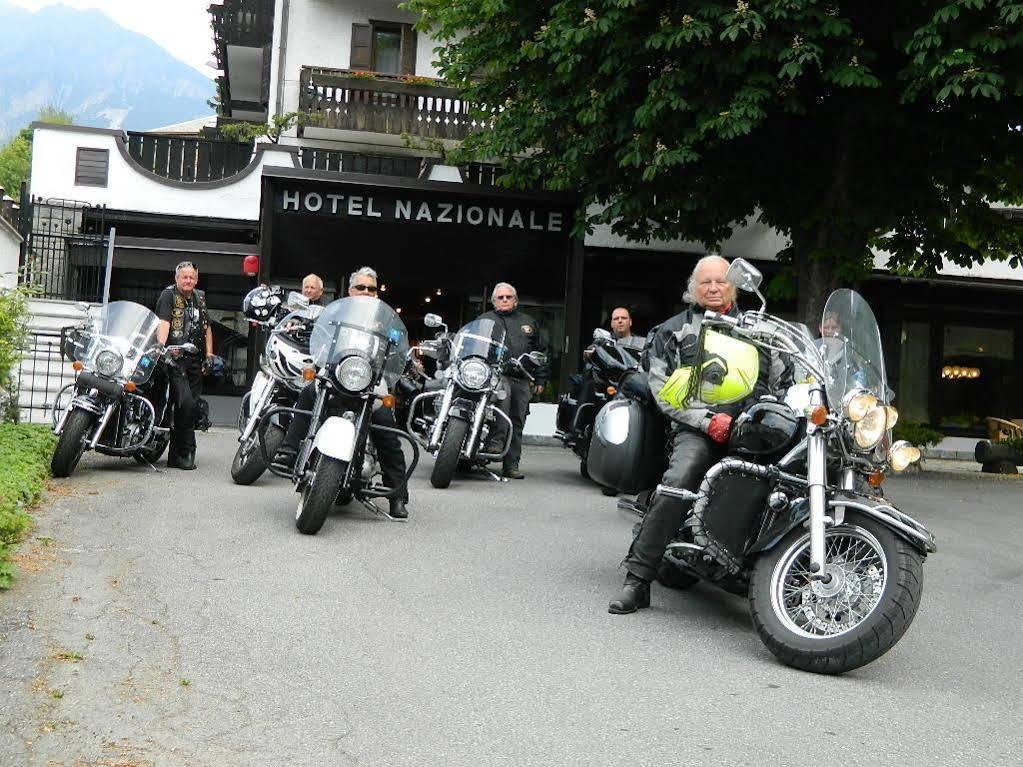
(891, 415)
(354, 374)
(857, 404)
(473, 374)
(868, 430)
(902, 454)
(109, 363)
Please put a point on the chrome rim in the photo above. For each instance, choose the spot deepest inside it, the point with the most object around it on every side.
(858, 570)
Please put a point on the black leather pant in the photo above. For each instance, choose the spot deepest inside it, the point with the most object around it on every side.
(692, 453)
(516, 407)
(388, 446)
(186, 388)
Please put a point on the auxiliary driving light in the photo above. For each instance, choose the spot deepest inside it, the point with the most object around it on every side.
(902, 455)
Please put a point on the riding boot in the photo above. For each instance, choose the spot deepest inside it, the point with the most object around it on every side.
(185, 460)
(635, 595)
(398, 510)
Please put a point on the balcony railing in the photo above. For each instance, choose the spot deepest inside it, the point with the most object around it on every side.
(247, 23)
(188, 159)
(346, 101)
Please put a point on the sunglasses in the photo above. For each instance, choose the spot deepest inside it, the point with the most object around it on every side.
(504, 298)
(365, 288)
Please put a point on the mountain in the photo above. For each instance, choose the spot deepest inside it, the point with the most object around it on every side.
(86, 64)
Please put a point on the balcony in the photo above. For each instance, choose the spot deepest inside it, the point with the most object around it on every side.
(357, 101)
(187, 159)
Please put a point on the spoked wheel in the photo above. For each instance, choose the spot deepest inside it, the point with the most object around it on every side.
(249, 462)
(871, 594)
(318, 493)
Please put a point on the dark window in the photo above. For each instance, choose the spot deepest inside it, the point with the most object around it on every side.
(384, 47)
(92, 167)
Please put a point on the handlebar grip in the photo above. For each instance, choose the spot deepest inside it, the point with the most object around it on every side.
(712, 316)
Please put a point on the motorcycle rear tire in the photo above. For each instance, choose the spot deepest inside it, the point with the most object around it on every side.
(874, 635)
(249, 462)
(450, 450)
(71, 444)
(319, 493)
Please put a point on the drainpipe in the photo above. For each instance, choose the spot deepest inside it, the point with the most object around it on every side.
(282, 56)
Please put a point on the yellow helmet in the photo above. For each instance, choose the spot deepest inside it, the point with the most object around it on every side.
(728, 372)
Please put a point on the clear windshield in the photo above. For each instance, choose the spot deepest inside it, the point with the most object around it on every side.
(480, 338)
(850, 344)
(364, 325)
(127, 329)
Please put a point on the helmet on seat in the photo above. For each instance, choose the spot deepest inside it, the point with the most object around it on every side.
(766, 428)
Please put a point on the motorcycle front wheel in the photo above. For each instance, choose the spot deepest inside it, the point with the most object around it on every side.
(71, 444)
(321, 487)
(450, 449)
(856, 616)
(249, 462)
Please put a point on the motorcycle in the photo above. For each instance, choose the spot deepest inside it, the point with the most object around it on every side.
(464, 413)
(279, 379)
(359, 345)
(794, 517)
(608, 362)
(119, 403)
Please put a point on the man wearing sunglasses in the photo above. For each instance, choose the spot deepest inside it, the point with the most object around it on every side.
(362, 282)
(522, 336)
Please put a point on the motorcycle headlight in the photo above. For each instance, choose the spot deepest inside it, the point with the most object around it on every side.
(857, 404)
(870, 428)
(473, 374)
(354, 374)
(902, 454)
(891, 416)
(109, 363)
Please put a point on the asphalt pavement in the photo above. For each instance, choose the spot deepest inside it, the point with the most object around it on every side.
(173, 618)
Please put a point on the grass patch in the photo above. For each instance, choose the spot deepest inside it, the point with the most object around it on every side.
(25, 451)
(69, 655)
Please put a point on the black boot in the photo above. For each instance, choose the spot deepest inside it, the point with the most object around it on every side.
(635, 595)
(284, 459)
(182, 459)
(398, 510)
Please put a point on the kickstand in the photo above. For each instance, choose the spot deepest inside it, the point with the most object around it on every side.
(493, 476)
(377, 510)
(153, 467)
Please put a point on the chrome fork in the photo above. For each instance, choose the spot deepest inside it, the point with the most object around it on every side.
(816, 475)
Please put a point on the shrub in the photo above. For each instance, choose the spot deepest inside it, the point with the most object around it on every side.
(916, 433)
(13, 333)
(25, 451)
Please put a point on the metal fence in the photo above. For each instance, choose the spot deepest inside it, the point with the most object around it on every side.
(65, 249)
(42, 374)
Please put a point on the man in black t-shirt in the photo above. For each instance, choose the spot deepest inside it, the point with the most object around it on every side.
(183, 319)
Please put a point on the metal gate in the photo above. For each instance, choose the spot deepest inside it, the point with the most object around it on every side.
(65, 249)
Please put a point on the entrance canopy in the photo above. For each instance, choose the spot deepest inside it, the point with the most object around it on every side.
(438, 247)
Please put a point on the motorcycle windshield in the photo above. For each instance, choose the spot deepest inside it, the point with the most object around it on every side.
(850, 345)
(126, 329)
(482, 338)
(361, 325)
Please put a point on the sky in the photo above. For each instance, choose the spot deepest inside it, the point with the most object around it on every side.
(182, 27)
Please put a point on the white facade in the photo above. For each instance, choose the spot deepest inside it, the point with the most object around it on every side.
(10, 249)
(130, 187)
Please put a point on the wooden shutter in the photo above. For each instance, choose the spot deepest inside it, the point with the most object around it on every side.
(362, 46)
(408, 49)
(92, 166)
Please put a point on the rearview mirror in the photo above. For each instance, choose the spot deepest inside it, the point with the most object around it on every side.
(538, 358)
(297, 301)
(433, 321)
(602, 334)
(744, 275)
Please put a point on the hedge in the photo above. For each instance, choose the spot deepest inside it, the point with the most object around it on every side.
(25, 451)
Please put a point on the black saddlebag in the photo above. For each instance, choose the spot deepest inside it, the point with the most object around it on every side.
(627, 448)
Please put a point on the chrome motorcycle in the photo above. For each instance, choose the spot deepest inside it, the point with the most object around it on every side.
(279, 379)
(795, 516)
(454, 423)
(359, 348)
(119, 403)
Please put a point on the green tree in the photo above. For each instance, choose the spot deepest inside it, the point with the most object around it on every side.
(248, 132)
(845, 125)
(16, 155)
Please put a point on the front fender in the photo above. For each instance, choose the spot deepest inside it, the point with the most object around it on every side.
(336, 438)
(878, 508)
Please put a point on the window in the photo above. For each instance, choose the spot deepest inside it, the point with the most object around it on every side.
(92, 167)
(385, 47)
(975, 379)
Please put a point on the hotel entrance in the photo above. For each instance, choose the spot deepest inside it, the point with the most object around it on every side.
(438, 248)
